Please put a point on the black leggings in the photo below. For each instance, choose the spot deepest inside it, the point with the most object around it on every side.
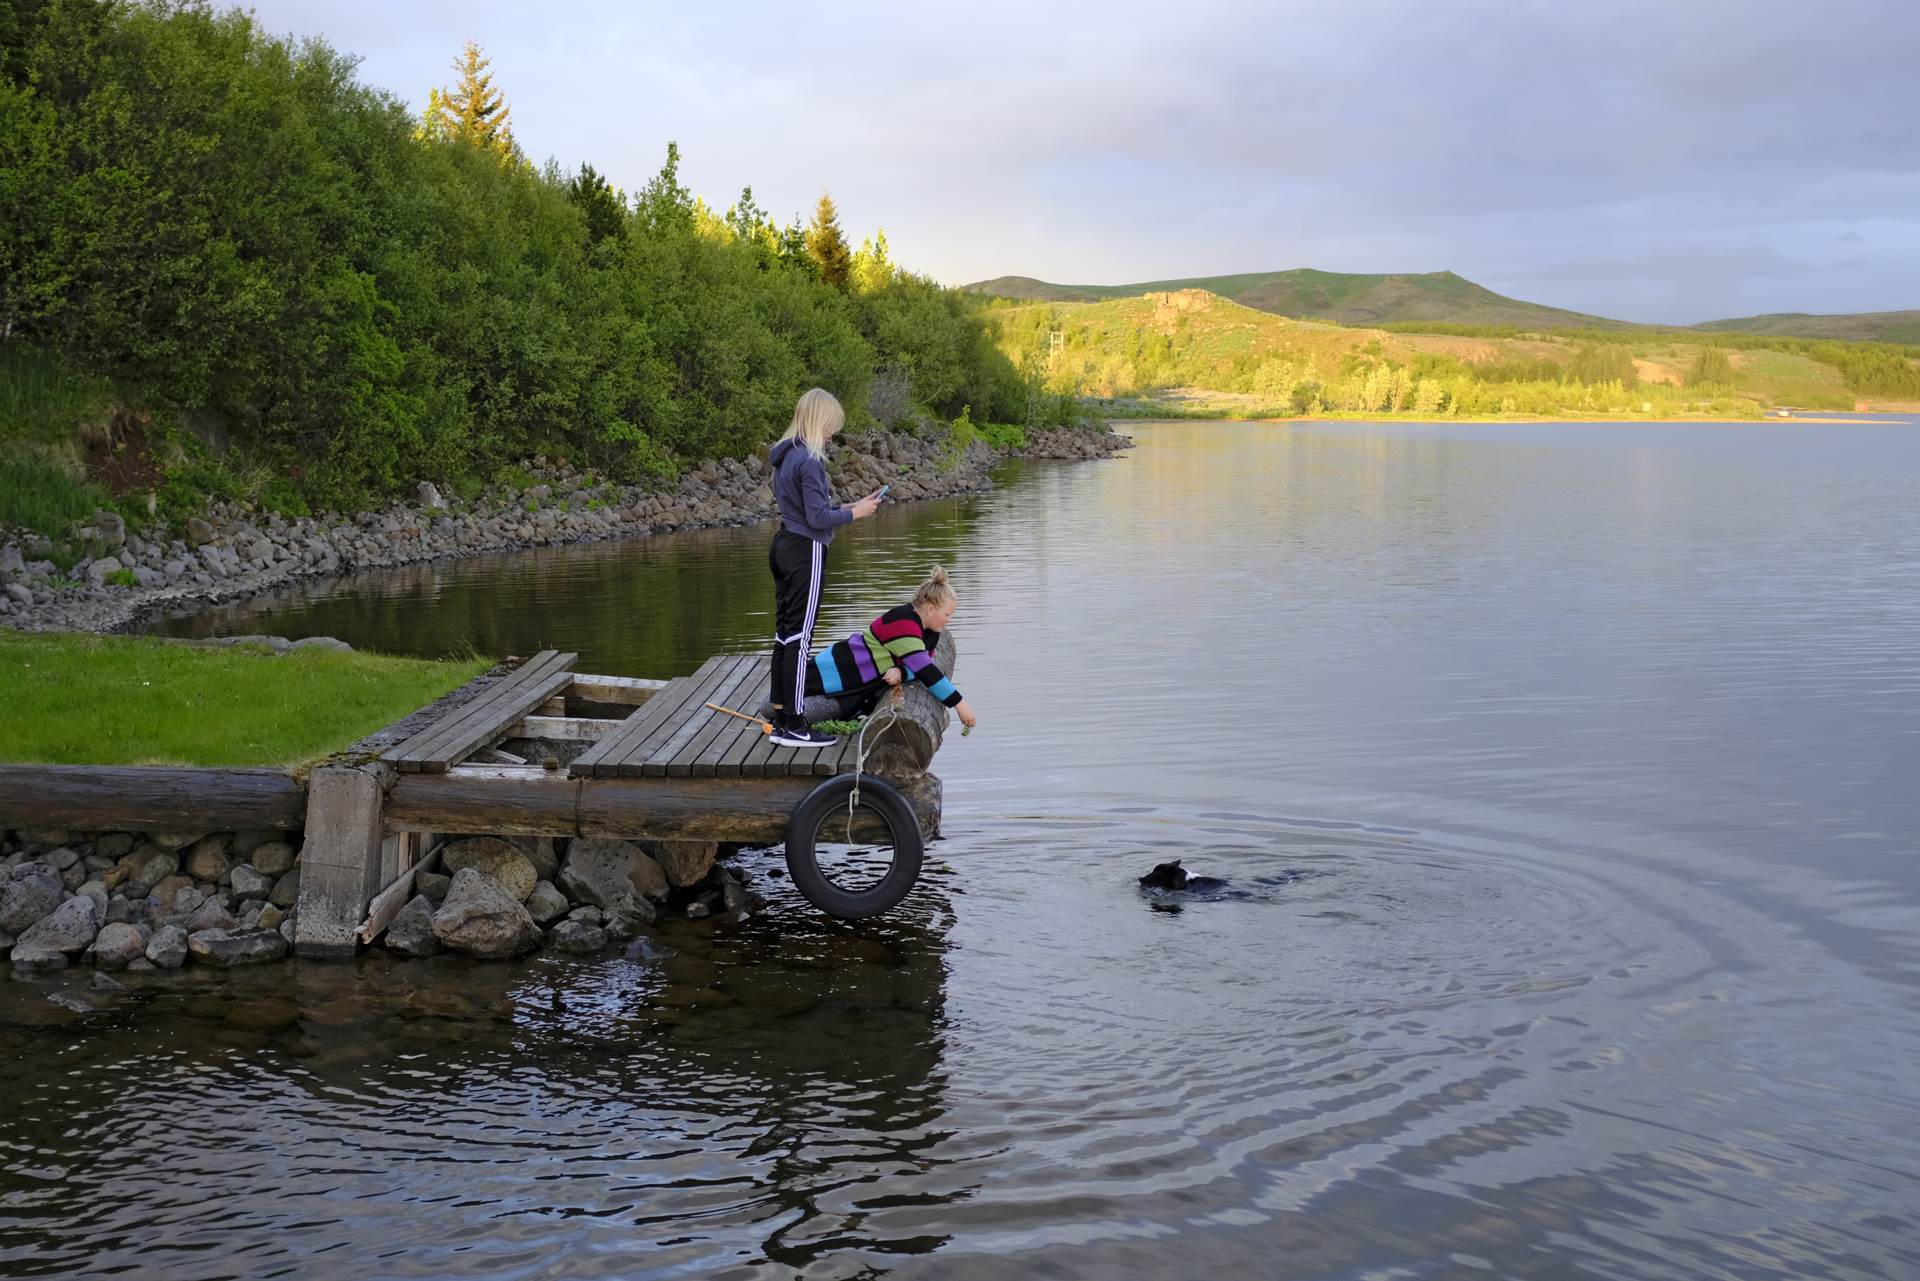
(799, 568)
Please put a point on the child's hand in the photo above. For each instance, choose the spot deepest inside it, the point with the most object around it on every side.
(891, 676)
(964, 710)
(865, 507)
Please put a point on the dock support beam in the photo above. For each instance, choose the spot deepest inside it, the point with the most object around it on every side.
(340, 866)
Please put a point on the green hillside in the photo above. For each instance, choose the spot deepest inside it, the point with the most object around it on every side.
(1193, 351)
(1347, 297)
(1864, 326)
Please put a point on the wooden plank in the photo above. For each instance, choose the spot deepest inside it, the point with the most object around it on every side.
(632, 691)
(387, 903)
(340, 860)
(706, 756)
(469, 727)
(487, 720)
(745, 740)
(675, 755)
(449, 740)
(429, 743)
(603, 758)
(591, 728)
(747, 810)
(419, 746)
(482, 732)
(676, 705)
(149, 798)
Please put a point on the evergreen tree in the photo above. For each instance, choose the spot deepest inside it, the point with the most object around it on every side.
(473, 110)
(827, 246)
(872, 269)
(604, 206)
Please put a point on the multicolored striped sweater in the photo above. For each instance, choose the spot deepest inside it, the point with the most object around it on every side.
(895, 639)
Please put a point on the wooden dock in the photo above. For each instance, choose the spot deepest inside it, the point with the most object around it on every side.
(648, 761)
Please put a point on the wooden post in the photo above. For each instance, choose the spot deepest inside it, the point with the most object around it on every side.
(341, 863)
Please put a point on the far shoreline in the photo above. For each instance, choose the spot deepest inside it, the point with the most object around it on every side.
(1858, 420)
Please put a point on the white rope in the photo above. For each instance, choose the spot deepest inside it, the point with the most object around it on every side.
(860, 759)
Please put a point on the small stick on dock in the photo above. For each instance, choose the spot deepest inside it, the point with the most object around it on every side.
(766, 727)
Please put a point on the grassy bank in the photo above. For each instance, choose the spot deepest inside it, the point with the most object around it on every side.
(93, 700)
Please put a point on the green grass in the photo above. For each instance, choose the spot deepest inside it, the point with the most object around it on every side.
(104, 700)
(43, 406)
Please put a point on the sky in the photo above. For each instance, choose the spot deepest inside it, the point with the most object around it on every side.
(1671, 162)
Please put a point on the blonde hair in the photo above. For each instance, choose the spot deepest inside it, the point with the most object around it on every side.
(934, 593)
(816, 418)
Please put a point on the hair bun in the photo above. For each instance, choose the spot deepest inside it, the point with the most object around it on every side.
(937, 575)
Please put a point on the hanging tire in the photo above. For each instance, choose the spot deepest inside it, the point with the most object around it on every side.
(818, 810)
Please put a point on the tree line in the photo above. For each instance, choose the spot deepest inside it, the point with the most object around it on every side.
(219, 219)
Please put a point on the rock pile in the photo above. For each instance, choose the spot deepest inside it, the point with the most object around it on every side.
(235, 551)
(144, 901)
(491, 897)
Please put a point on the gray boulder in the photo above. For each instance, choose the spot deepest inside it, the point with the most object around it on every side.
(38, 958)
(207, 860)
(199, 533)
(541, 852)
(60, 859)
(286, 890)
(479, 918)
(228, 948)
(33, 891)
(577, 938)
(249, 882)
(614, 875)
(69, 927)
(274, 858)
(433, 884)
(685, 862)
(210, 915)
(411, 933)
(147, 867)
(117, 945)
(546, 903)
(174, 840)
(114, 845)
(270, 917)
(168, 947)
(499, 859)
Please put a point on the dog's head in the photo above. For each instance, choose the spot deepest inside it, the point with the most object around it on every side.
(1167, 876)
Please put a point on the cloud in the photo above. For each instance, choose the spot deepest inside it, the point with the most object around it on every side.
(1509, 141)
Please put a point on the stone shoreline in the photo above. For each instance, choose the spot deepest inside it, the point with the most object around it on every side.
(233, 551)
(143, 901)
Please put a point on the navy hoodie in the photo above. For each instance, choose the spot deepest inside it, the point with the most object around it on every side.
(800, 489)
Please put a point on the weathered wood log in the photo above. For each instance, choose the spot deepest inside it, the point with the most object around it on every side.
(149, 798)
(508, 801)
(628, 691)
(909, 725)
(342, 860)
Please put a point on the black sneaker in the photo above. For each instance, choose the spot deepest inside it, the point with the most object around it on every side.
(794, 732)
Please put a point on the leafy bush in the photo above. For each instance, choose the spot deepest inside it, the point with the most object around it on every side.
(260, 234)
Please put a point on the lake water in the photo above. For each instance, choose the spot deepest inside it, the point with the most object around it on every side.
(1569, 774)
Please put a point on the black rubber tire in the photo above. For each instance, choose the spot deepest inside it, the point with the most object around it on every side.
(908, 848)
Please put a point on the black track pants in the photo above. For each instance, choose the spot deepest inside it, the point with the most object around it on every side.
(799, 568)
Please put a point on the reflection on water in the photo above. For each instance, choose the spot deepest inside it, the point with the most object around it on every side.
(1562, 778)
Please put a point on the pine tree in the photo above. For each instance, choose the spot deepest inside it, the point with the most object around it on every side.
(872, 269)
(473, 110)
(827, 246)
(604, 205)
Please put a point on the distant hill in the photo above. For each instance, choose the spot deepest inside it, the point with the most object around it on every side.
(1350, 298)
(1183, 347)
(1864, 326)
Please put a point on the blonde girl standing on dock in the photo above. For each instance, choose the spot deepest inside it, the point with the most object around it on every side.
(798, 557)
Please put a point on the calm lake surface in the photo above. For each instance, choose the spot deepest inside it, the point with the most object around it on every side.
(1569, 773)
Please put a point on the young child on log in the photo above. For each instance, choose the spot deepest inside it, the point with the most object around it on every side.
(897, 646)
(798, 557)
